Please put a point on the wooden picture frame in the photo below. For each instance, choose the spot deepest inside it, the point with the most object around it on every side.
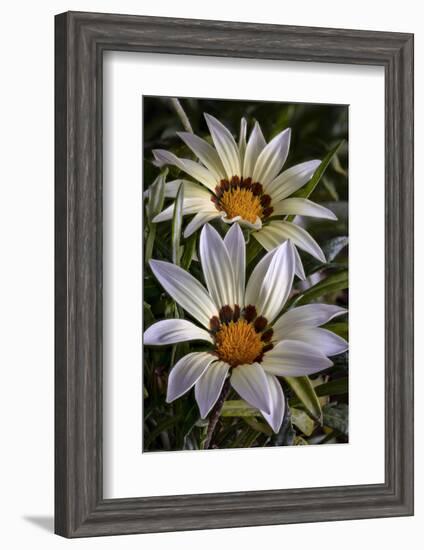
(81, 39)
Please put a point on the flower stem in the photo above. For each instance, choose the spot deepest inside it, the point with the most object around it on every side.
(182, 114)
(216, 411)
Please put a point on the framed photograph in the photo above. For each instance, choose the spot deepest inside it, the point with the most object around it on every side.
(234, 274)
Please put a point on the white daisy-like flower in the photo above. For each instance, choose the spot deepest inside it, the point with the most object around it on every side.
(248, 342)
(242, 183)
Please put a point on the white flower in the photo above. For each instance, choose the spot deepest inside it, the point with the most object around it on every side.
(242, 183)
(248, 342)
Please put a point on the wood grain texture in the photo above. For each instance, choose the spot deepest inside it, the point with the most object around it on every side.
(81, 39)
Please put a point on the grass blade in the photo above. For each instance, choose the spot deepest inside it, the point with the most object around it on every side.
(177, 222)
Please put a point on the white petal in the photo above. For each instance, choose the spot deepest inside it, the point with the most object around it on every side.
(294, 358)
(190, 206)
(199, 220)
(257, 276)
(171, 331)
(254, 147)
(251, 382)
(298, 266)
(234, 241)
(242, 140)
(270, 239)
(324, 340)
(244, 223)
(186, 373)
(292, 179)
(194, 169)
(273, 290)
(302, 207)
(191, 190)
(205, 152)
(272, 158)
(225, 145)
(278, 404)
(279, 231)
(185, 290)
(309, 316)
(209, 386)
(217, 267)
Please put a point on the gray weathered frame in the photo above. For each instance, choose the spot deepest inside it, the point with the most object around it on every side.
(81, 39)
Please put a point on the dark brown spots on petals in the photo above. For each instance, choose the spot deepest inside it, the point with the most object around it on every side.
(214, 324)
(226, 314)
(260, 323)
(256, 189)
(267, 212)
(266, 348)
(267, 335)
(249, 313)
(265, 201)
(236, 315)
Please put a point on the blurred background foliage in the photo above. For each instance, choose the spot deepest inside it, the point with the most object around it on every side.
(318, 405)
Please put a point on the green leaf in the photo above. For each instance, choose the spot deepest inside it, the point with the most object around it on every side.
(238, 407)
(333, 283)
(189, 249)
(340, 386)
(154, 206)
(286, 435)
(333, 247)
(336, 416)
(187, 425)
(156, 196)
(303, 388)
(341, 329)
(164, 426)
(258, 426)
(307, 189)
(302, 421)
(298, 440)
(177, 222)
(245, 439)
(148, 316)
(252, 249)
(338, 167)
(331, 188)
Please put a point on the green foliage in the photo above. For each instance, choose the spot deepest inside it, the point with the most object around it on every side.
(336, 417)
(330, 285)
(316, 406)
(154, 206)
(305, 191)
(177, 223)
(302, 421)
(305, 392)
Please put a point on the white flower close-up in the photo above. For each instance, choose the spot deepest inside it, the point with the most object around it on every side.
(247, 339)
(242, 182)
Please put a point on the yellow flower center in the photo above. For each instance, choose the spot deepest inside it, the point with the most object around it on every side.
(241, 336)
(241, 202)
(238, 343)
(242, 197)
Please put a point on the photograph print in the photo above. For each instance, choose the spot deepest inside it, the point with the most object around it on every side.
(245, 285)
